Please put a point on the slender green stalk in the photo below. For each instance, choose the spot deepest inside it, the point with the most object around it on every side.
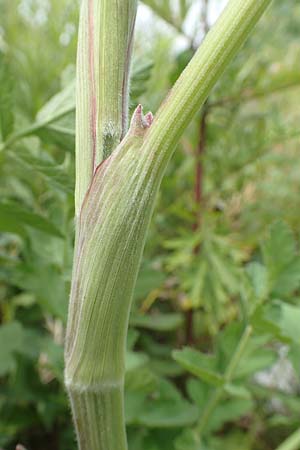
(193, 86)
(231, 368)
(114, 204)
(292, 442)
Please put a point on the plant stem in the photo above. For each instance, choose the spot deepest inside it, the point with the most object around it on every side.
(103, 63)
(217, 395)
(99, 416)
(112, 222)
(93, 379)
(193, 86)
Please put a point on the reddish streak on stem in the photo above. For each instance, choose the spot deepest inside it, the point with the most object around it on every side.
(93, 105)
(198, 195)
(198, 189)
(125, 79)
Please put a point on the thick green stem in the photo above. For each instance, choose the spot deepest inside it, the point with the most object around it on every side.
(103, 62)
(99, 416)
(114, 208)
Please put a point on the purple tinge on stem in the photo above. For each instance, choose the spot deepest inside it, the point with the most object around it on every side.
(140, 121)
(93, 101)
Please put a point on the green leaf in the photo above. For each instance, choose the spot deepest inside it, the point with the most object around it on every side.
(157, 322)
(229, 411)
(56, 120)
(199, 392)
(167, 409)
(256, 356)
(163, 407)
(238, 391)
(199, 364)
(166, 367)
(148, 279)
(55, 356)
(279, 252)
(140, 75)
(224, 271)
(58, 106)
(259, 279)
(287, 319)
(46, 282)
(140, 381)
(14, 339)
(13, 219)
(6, 99)
(279, 249)
(279, 319)
(288, 280)
(53, 174)
(189, 440)
(135, 360)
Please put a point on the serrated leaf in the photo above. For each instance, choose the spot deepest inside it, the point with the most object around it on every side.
(199, 364)
(140, 75)
(256, 356)
(288, 320)
(258, 276)
(56, 120)
(288, 280)
(54, 175)
(168, 409)
(224, 271)
(13, 219)
(46, 282)
(279, 319)
(279, 249)
(60, 105)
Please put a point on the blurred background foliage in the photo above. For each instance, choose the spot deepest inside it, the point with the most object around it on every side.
(214, 339)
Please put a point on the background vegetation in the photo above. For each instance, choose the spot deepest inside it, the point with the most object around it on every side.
(222, 254)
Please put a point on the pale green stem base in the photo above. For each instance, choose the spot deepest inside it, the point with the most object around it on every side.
(99, 417)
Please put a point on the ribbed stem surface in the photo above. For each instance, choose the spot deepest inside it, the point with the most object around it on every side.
(111, 230)
(98, 414)
(103, 62)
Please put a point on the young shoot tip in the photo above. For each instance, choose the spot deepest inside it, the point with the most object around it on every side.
(140, 121)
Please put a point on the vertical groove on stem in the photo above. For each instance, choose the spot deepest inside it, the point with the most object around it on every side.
(115, 215)
(103, 63)
(92, 412)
